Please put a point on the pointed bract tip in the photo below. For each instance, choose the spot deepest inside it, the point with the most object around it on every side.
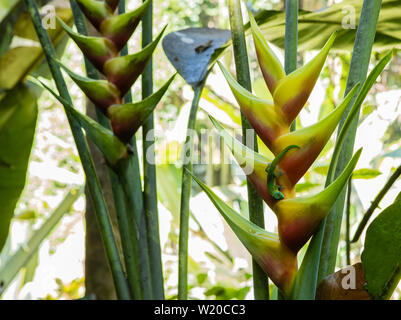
(270, 65)
(127, 118)
(279, 263)
(96, 12)
(292, 91)
(119, 28)
(97, 50)
(123, 71)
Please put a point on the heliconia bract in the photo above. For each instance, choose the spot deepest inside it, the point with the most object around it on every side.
(127, 118)
(95, 11)
(119, 28)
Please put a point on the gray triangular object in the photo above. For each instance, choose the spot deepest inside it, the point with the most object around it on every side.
(191, 50)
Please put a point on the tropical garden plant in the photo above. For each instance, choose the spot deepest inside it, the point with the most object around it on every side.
(275, 152)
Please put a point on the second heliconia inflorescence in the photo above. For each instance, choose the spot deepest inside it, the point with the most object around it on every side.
(120, 71)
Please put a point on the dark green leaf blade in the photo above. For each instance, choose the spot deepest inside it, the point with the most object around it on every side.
(381, 257)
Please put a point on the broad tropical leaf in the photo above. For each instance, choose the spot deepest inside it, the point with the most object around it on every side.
(18, 113)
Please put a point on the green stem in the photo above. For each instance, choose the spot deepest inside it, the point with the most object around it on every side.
(347, 223)
(186, 195)
(291, 40)
(255, 203)
(149, 169)
(357, 73)
(102, 215)
(128, 238)
(375, 204)
(132, 178)
(136, 223)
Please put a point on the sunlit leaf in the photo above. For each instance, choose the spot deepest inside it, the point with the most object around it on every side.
(365, 173)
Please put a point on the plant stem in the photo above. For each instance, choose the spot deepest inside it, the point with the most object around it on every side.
(347, 223)
(375, 204)
(186, 184)
(132, 184)
(128, 237)
(291, 40)
(149, 168)
(357, 73)
(102, 215)
(255, 203)
(136, 223)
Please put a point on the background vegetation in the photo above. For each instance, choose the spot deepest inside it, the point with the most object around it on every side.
(218, 264)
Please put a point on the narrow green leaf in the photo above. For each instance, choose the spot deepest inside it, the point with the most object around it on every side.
(365, 173)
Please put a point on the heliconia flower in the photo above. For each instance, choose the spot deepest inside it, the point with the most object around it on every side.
(113, 4)
(119, 28)
(95, 11)
(127, 118)
(299, 218)
(279, 263)
(292, 91)
(311, 141)
(102, 93)
(112, 148)
(270, 65)
(96, 50)
(254, 166)
(123, 71)
(268, 121)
